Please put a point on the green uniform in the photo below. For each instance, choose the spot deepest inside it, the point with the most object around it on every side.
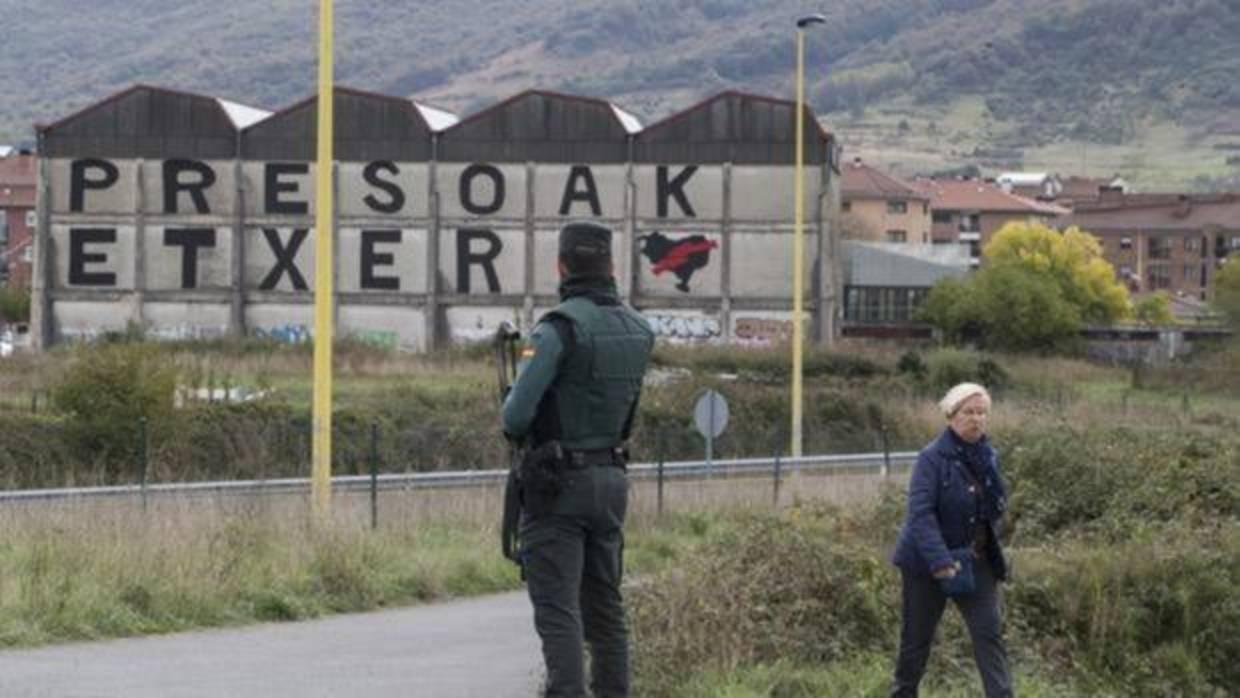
(579, 384)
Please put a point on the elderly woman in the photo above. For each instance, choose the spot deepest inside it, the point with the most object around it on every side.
(949, 546)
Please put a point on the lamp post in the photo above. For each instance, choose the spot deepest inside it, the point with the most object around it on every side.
(798, 237)
(321, 436)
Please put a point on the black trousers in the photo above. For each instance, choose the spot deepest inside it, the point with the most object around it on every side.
(922, 607)
(573, 560)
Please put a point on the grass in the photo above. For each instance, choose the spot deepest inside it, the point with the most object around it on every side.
(861, 676)
(94, 569)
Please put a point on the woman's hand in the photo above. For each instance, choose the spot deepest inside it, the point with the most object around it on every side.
(947, 572)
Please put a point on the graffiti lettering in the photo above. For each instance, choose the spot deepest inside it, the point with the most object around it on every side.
(685, 328)
(285, 334)
(762, 331)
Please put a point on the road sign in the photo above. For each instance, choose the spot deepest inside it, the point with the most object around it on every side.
(711, 414)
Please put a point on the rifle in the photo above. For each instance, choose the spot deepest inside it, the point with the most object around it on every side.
(506, 340)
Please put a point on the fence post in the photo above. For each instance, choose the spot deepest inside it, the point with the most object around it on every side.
(374, 476)
(886, 449)
(779, 452)
(660, 447)
(34, 402)
(142, 462)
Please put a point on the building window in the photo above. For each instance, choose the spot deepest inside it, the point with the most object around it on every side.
(1159, 277)
(1125, 271)
(897, 207)
(1191, 244)
(970, 223)
(1125, 243)
(28, 253)
(32, 219)
(1188, 274)
(941, 216)
(1160, 248)
(897, 236)
(1235, 242)
(877, 304)
(845, 206)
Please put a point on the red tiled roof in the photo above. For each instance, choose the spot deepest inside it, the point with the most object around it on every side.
(976, 195)
(860, 181)
(1169, 212)
(17, 181)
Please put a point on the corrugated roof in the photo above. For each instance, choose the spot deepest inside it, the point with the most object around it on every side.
(977, 195)
(861, 181)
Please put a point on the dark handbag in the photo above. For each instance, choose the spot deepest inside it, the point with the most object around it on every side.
(963, 583)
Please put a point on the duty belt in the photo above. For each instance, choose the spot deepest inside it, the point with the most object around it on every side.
(596, 457)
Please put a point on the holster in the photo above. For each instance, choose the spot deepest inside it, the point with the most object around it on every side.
(541, 478)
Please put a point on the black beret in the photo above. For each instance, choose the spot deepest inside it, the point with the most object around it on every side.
(585, 240)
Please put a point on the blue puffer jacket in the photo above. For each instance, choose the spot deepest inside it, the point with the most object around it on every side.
(942, 507)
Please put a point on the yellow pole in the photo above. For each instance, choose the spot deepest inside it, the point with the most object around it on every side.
(321, 454)
(798, 251)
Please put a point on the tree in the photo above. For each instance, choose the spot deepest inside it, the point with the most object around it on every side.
(1227, 291)
(953, 307)
(1024, 310)
(1073, 259)
(14, 305)
(1035, 291)
(1154, 310)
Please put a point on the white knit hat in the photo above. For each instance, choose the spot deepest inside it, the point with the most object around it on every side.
(957, 395)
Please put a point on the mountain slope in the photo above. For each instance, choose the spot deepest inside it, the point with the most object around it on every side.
(917, 84)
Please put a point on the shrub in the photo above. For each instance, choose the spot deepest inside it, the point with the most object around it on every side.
(14, 305)
(1116, 481)
(781, 587)
(107, 393)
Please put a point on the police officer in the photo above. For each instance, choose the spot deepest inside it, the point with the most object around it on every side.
(572, 407)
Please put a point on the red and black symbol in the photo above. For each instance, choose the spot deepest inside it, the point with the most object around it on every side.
(682, 257)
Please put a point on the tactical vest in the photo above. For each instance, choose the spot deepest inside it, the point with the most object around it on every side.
(601, 374)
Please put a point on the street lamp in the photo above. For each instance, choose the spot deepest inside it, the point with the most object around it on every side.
(798, 236)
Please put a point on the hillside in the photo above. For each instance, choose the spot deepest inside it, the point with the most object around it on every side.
(1088, 86)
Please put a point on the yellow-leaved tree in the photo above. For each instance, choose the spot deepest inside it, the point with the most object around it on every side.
(1073, 259)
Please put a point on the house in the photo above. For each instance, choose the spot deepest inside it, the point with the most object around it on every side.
(1031, 185)
(970, 211)
(1087, 189)
(1163, 242)
(17, 218)
(877, 207)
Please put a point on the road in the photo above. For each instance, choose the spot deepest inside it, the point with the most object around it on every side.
(476, 648)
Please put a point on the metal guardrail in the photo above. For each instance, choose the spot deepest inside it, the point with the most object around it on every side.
(681, 470)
